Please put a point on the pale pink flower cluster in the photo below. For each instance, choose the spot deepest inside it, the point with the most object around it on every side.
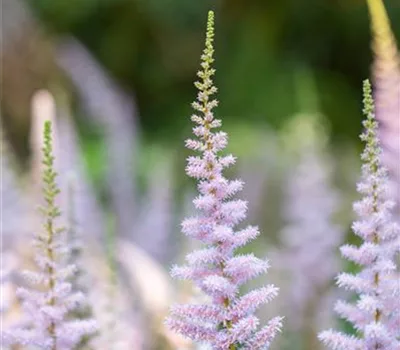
(376, 313)
(386, 79)
(48, 306)
(228, 322)
(310, 237)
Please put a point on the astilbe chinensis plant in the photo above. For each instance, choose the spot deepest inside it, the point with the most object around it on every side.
(47, 307)
(310, 238)
(375, 315)
(386, 80)
(228, 321)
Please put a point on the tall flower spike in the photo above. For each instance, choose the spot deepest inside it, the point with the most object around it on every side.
(310, 239)
(375, 315)
(48, 306)
(386, 80)
(228, 321)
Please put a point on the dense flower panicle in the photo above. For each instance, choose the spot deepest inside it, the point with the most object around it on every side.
(47, 308)
(386, 79)
(310, 238)
(376, 313)
(228, 322)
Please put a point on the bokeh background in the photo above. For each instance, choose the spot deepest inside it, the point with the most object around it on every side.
(151, 49)
(121, 72)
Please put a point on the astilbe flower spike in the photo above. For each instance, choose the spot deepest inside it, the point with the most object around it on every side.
(310, 239)
(49, 306)
(386, 80)
(228, 321)
(376, 314)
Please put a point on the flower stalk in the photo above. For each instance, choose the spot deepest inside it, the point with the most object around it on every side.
(228, 321)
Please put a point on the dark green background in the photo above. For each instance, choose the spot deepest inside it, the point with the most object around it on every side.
(266, 53)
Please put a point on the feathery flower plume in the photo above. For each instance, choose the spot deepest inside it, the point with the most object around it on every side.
(47, 306)
(309, 238)
(386, 80)
(228, 322)
(376, 315)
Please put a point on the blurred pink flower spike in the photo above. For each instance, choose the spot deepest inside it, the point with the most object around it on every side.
(309, 238)
(115, 111)
(386, 81)
(376, 314)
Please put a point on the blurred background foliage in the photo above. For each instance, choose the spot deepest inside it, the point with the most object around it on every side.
(151, 47)
(274, 59)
